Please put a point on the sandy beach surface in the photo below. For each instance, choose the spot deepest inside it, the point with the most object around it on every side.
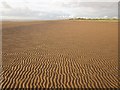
(60, 54)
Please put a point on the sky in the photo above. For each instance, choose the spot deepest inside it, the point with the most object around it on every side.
(57, 9)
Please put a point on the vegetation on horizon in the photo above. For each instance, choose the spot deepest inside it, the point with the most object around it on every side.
(94, 19)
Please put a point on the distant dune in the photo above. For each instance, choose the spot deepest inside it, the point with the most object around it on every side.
(60, 54)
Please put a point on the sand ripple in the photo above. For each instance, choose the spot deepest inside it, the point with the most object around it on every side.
(60, 54)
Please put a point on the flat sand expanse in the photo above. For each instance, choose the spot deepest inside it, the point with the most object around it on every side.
(60, 54)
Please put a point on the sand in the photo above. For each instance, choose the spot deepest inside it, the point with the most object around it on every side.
(60, 54)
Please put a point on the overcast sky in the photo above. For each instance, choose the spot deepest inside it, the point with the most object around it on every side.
(57, 9)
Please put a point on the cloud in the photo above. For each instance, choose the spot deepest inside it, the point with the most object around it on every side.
(56, 9)
(6, 5)
(92, 9)
(19, 13)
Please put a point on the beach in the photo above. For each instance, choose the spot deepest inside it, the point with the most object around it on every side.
(60, 54)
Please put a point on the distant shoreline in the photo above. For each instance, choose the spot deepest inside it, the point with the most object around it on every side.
(99, 20)
(110, 20)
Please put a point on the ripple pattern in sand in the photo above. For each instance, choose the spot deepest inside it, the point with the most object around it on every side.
(60, 57)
